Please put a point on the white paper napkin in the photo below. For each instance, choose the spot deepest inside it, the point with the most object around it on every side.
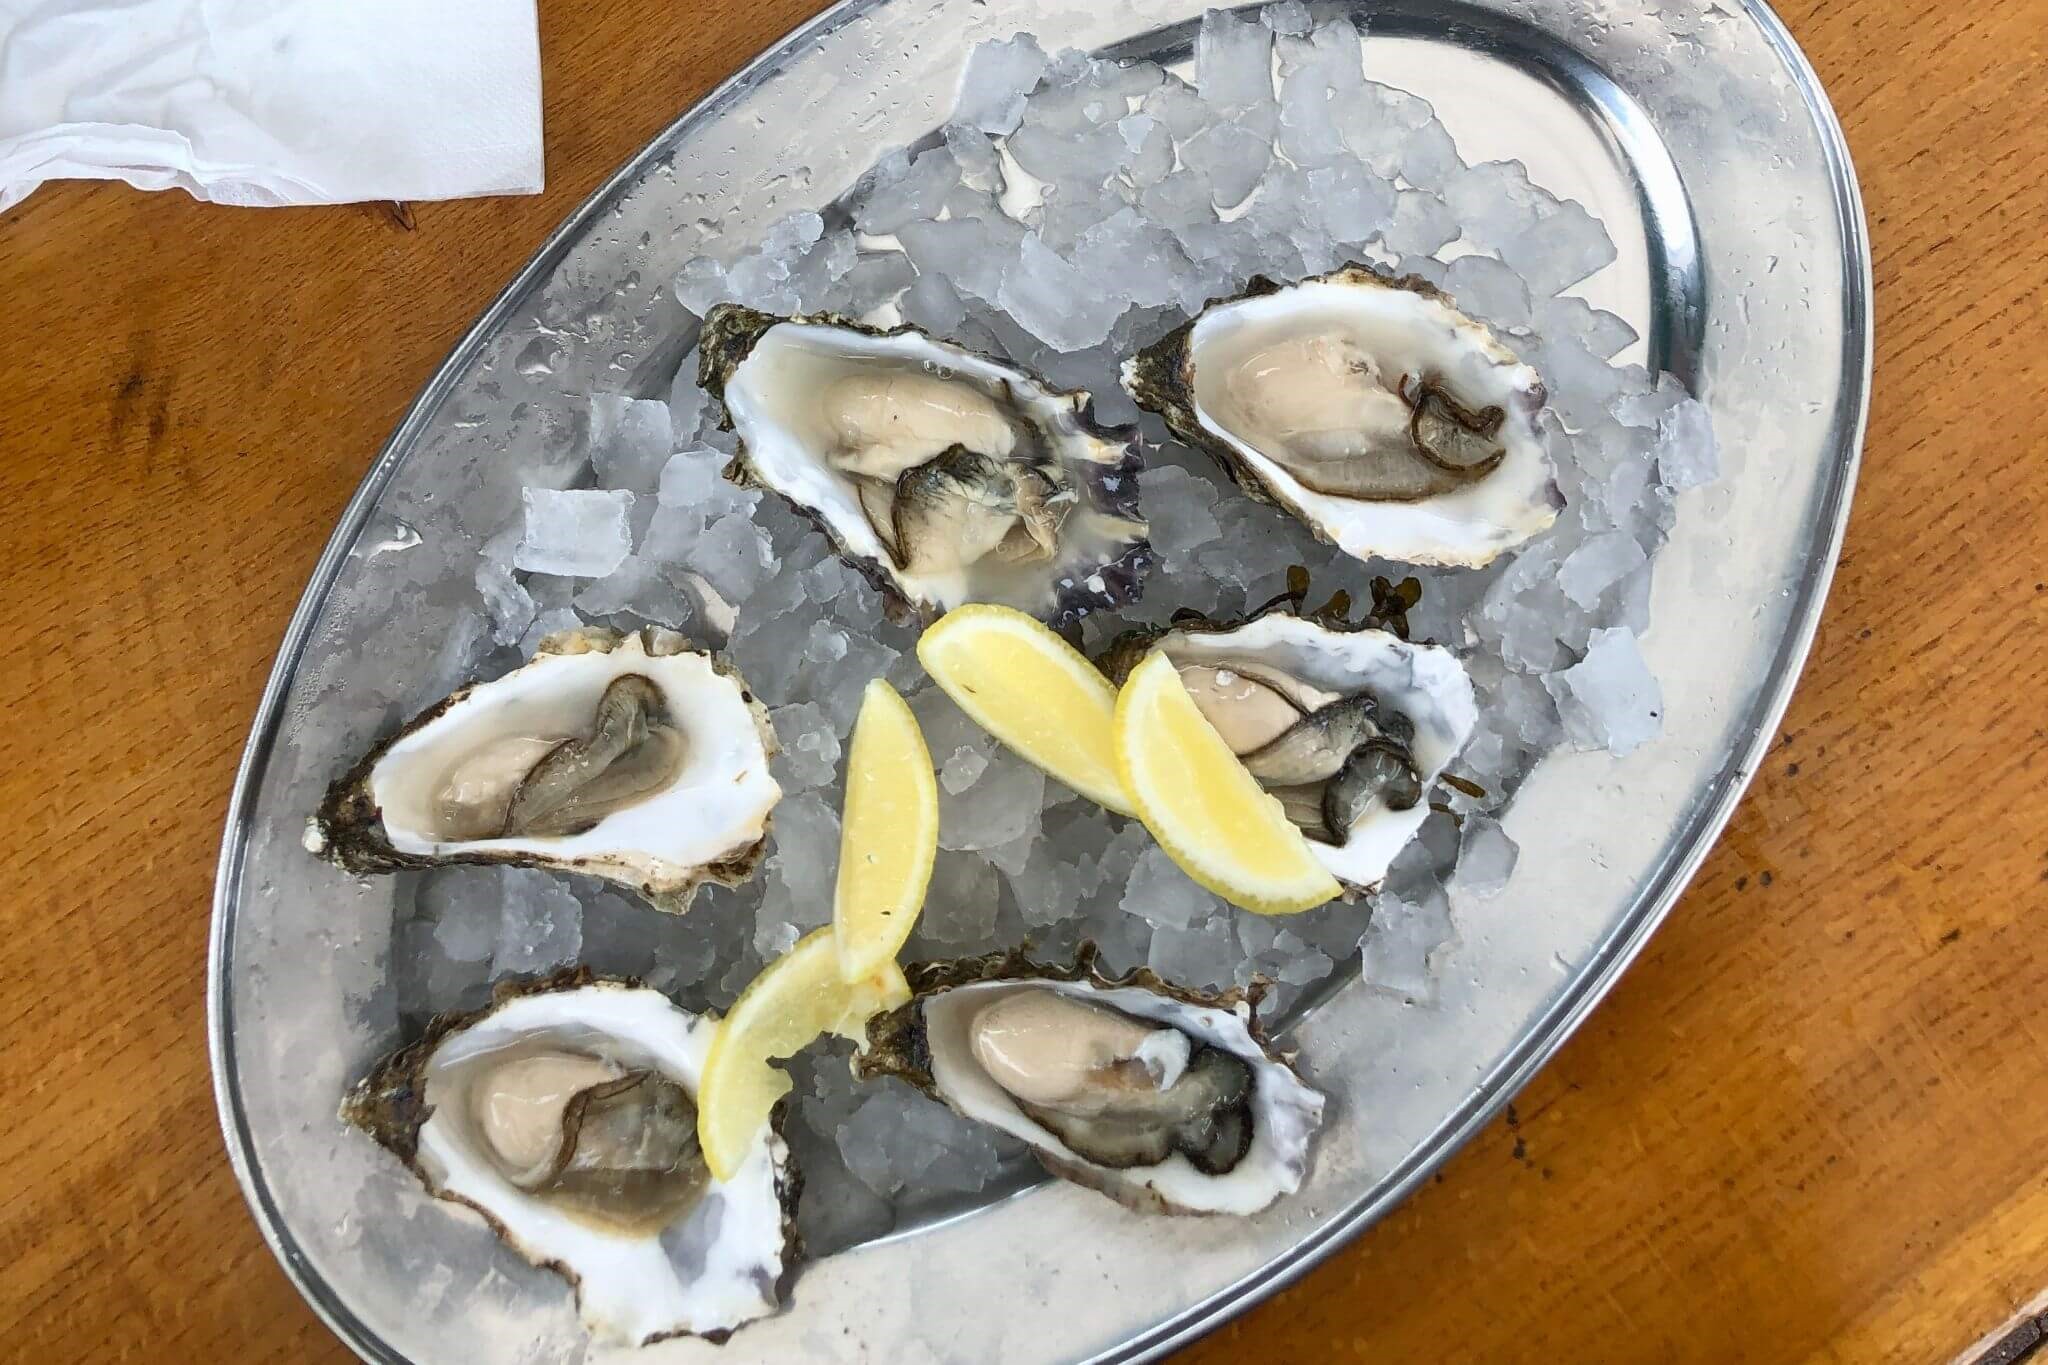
(272, 101)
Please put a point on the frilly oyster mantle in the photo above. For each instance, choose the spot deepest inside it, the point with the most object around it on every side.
(944, 476)
(564, 1113)
(629, 757)
(1370, 407)
(1166, 1099)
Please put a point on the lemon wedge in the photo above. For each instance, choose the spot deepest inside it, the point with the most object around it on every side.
(889, 834)
(1206, 811)
(1033, 691)
(795, 999)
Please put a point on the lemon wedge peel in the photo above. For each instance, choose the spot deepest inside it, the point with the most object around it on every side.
(796, 999)
(889, 834)
(1208, 813)
(1034, 692)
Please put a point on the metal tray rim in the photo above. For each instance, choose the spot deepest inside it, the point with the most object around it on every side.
(1543, 1037)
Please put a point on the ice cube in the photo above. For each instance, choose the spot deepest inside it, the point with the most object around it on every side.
(1288, 17)
(1148, 146)
(1234, 63)
(810, 748)
(1317, 72)
(1422, 223)
(972, 254)
(867, 1140)
(630, 441)
(507, 603)
(671, 534)
(981, 165)
(875, 280)
(1202, 954)
(825, 580)
(932, 304)
(1384, 126)
(961, 771)
(960, 904)
(1609, 700)
(761, 278)
(902, 189)
(1597, 564)
(1081, 93)
(826, 644)
(734, 556)
(540, 925)
(550, 622)
(1160, 892)
(463, 905)
(637, 587)
(1056, 302)
(839, 686)
(428, 981)
(685, 402)
(1552, 243)
(1175, 104)
(1563, 246)
(1687, 453)
(1601, 334)
(1002, 803)
(1181, 202)
(1486, 857)
(815, 275)
(1047, 888)
(1071, 164)
(1228, 157)
(1489, 290)
(769, 651)
(1181, 510)
(1351, 203)
(1400, 942)
(702, 285)
(797, 879)
(582, 533)
(1300, 962)
(694, 479)
(997, 77)
(1143, 259)
(456, 659)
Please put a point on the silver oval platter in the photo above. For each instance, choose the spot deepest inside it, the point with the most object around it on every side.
(1695, 133)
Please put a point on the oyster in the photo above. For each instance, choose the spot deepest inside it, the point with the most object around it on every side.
(942, 475)
(1167, 1100)
(1348, 726)
(629, 757)
(1389, 422)
(564, 1113)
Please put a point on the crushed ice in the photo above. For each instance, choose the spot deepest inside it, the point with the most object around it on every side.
(1072, 211)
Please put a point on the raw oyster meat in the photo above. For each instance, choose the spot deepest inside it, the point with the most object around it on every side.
(564, 1113)
(1167, 1100)
(944, 476)
(1391, 423)
(629, 757)
(1347, 725)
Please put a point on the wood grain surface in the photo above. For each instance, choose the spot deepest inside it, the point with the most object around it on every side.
(1810, 1125)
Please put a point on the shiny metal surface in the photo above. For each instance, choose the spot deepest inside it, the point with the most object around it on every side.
(1698, 133)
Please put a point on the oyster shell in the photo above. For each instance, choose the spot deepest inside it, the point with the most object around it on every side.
(1389, 422)
(564, 1113)
(1168, 1100)
(944, 476)
(1347, 725)
(629, 757)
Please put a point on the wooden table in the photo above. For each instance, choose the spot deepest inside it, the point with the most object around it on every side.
(1810, 1125)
